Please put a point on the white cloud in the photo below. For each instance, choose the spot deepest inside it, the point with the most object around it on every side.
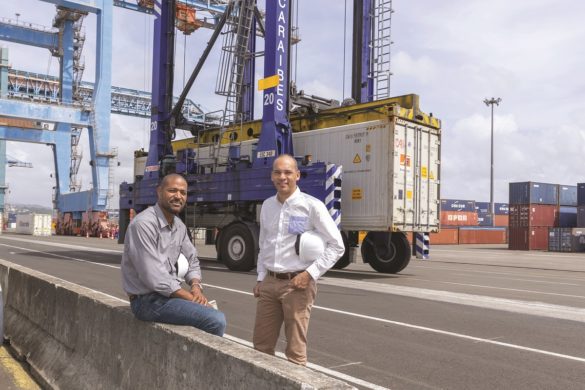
(420, 69)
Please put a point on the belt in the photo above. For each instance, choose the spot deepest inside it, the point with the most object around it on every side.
(284, 275)
(132, 297)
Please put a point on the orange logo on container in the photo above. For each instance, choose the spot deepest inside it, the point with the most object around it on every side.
(404, 160)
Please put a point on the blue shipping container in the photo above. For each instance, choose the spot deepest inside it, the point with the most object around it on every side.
(484, 220)
(530, 192)
(499, 208)
(567, 195)
(482, 207)
(457, 205)
(580, 194)
(567, 216)
(502, 208)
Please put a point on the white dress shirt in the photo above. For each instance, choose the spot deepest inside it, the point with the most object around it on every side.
(280, 223)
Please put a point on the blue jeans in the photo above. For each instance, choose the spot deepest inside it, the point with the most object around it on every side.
(158, 308)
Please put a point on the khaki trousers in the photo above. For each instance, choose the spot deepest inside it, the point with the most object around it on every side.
(280, 303)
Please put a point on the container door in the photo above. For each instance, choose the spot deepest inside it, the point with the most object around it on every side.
(416, 172)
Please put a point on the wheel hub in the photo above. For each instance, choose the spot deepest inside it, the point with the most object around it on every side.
(236, 248)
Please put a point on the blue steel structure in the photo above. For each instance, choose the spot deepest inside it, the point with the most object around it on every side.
(227, 196)
(96, 118)
(69, 117)
(31, 86)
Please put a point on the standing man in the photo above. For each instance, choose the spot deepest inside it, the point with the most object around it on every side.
(286, 285)
(154, 241)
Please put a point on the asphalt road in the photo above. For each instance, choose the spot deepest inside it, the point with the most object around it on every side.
(471, 317)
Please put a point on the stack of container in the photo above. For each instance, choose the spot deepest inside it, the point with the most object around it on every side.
(533, 210)
(457, 212)
(454, 214)
(567, 237)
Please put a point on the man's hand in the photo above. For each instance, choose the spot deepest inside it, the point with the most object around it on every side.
(197, 294)
(301, 281)
(257, 289)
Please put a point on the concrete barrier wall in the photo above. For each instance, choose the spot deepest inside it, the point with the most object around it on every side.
(75, 338)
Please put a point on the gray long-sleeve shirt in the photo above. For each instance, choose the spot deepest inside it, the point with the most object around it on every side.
(151, 250)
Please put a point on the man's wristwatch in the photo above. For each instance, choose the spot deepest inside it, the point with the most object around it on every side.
(198, 284)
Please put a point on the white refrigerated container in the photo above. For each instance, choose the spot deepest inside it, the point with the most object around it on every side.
(391, 172)
(34, 224)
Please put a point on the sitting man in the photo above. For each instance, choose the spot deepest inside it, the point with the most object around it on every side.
(155, 240)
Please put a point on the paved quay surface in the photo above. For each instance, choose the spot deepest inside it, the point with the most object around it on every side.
(12, 375)
(472, 317)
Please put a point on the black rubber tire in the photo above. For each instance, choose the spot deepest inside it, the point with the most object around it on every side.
(238, 247)
(343, 260)
(389, 259)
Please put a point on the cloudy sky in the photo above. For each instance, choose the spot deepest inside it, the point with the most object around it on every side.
(453, 54)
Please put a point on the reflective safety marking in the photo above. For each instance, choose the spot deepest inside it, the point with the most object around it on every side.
(268, 82)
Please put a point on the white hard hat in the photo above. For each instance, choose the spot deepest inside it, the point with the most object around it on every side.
(309, 246)
(182, 266)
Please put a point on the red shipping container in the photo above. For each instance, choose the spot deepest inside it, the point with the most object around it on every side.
(445, 237)
(458, 218)
(528, 238)
(501, 220)
(525, 215)
(482, 236)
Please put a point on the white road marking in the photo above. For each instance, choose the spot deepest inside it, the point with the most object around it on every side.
(347, 364)
(62, 256)
(510, 305)
(508, 277)
(500, 288)
(60, 245)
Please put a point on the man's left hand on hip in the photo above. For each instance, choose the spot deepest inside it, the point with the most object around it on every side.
(301, 281)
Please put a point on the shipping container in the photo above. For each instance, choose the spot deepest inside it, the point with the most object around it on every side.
(482, 207)
(560, 239)
(528, 238)
(580, 194)
(486, 235)
(390, 172)
(533, 193)
(447, 236)
(580, 216)
(566, 240)
(578, 239)
(533, 215)
(502, 208)
(457, 205)
(484, 219)
(567, 217)
(458, 218)
(567, 195)
(34, 224)
(501, 220)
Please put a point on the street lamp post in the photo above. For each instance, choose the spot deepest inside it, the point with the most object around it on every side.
(491, 102)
